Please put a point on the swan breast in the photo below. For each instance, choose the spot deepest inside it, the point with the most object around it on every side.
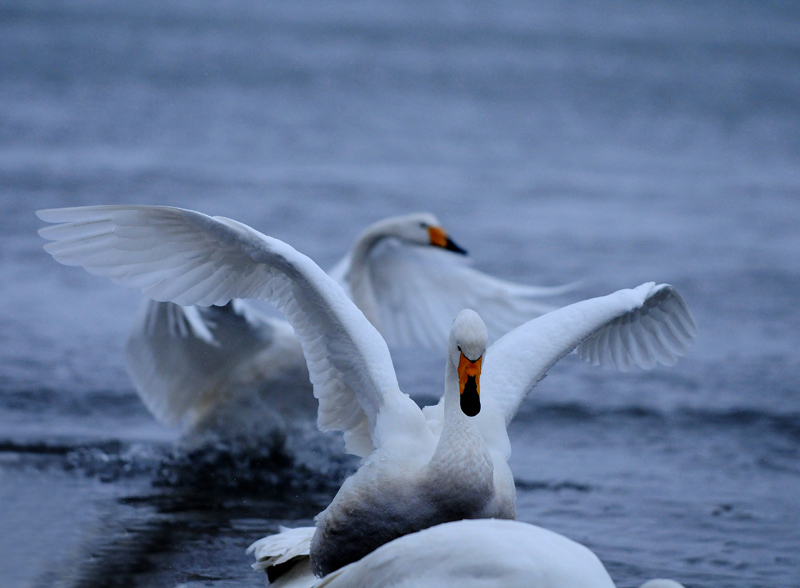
(374, 507)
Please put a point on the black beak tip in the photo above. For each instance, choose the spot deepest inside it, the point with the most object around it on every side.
(470, 403)
(453, 246)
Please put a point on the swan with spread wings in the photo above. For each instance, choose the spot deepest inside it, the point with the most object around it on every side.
(235, 371)
(420, 467)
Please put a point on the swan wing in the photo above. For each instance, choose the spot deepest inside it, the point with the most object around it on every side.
(642, 327)
(285, 558)
(180, 357)
(187, 257)
(282, 547)
(340, 271)
(419, 290)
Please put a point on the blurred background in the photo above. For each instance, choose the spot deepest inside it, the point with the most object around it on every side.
(608, 142)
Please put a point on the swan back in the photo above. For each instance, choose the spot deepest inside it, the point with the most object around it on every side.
(477, 554)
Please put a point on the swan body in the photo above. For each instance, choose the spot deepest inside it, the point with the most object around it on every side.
(479, 554)
(221, 372)
(234, 371)
(483, 553)
(412, 482)
(452, 456)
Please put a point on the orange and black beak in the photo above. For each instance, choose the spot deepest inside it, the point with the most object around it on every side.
(469, 384)
(439, 238)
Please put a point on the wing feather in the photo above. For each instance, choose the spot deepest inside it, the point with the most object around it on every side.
(282, 547)
(421, 289)
(642, 327)
(164, 348)
(193, 259)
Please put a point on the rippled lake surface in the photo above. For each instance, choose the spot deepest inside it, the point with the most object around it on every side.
(612, 143)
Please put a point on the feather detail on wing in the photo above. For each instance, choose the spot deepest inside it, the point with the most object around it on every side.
(658, 332)
(641, 327)
(190, 258)
(419, 290)
(285, 558)
(180, 357)
(282, 547)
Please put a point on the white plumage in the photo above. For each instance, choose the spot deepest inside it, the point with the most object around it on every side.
(234, 371)
(483, 553)
(477, 554)
(190, 258)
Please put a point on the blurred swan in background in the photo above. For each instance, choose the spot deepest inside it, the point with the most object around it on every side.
(444, 462)
(484, 553)
(233, 370)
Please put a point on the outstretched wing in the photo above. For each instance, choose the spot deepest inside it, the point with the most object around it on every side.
(419, 290)
(182, 359)
(641, 327)
(190, 258)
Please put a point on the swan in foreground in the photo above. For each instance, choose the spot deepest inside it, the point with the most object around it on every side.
(484, 553)
(232, 370)
(479, 554)
(420, 467)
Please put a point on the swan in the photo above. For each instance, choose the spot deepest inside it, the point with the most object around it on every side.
(480, 553)
(420, 467)
(234, 371)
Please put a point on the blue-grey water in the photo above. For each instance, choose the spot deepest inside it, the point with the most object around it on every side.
(609, 142)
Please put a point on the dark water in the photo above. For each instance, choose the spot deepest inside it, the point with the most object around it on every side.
(612, 143)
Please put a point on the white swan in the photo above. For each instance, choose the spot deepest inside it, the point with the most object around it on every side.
(422, 467)
(484, 553)
(480, 554)
(421, 474)
(234, 371)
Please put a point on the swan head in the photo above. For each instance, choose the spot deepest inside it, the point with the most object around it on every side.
(468, 339)
(421, 228)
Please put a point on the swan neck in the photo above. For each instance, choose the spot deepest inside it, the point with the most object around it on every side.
(457, 425)
(461, 457)
(360, 279)
(452, 395)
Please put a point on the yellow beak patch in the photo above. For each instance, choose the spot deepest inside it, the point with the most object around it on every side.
(467, 368)
(438, 236)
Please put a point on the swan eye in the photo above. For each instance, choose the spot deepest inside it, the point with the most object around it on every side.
(423, 225)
